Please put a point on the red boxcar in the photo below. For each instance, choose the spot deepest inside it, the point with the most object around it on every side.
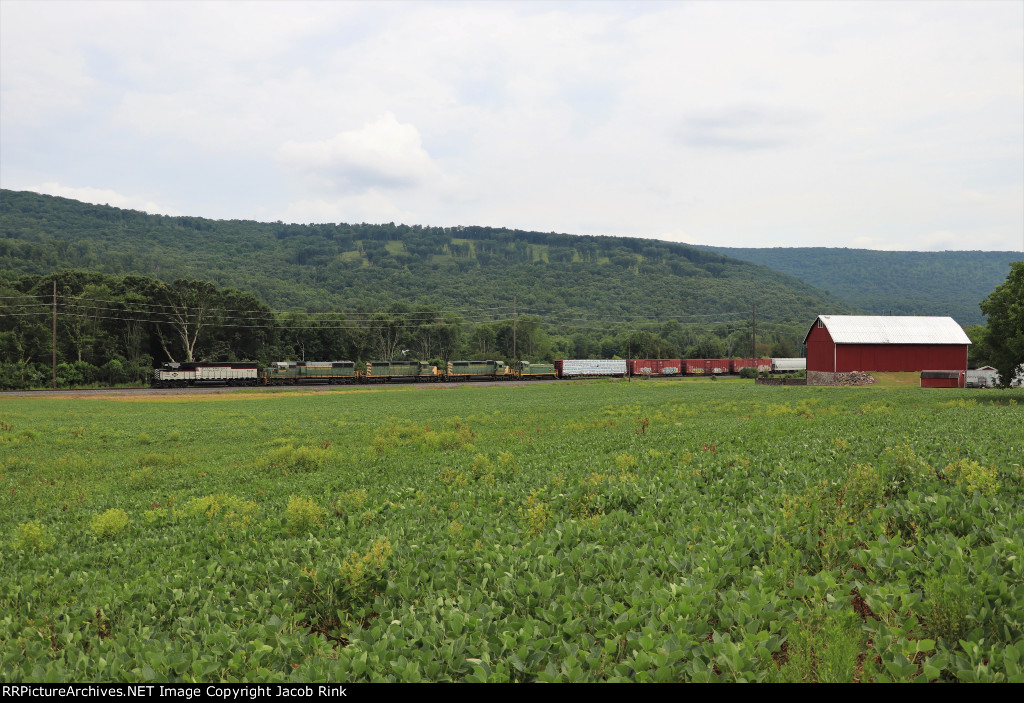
(719, 366)
(759, 364)
(697, 367)
(655, 367)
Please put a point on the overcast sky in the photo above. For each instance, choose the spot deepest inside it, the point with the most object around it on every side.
(866, 124)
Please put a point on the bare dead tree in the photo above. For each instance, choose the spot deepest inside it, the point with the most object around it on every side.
(388, 335)
(189, 303)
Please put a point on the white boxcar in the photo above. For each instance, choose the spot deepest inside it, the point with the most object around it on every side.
(789, 364)
(591, 367)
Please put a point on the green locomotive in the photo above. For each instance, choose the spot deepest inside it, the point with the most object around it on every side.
(466, 370)
(384, 371)
(525, 370)
(282, 373)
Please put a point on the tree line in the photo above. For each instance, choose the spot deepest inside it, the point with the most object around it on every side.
(116, 329)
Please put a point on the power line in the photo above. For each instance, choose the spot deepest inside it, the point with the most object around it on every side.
(213, 322)
(291, 312)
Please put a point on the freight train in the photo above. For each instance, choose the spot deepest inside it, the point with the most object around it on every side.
(282, 373)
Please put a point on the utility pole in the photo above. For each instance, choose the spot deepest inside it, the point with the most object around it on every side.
(54, 334)
(515, 356)
(753, 338)
(629, 353)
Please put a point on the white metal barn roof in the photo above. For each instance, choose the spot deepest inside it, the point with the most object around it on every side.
(880, 329)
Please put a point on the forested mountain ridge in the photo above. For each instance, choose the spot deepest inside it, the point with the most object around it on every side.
(570, 281)
(901, 282)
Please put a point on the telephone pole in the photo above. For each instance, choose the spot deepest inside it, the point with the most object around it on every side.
(515, 357)
(54, 334)
(753, 338)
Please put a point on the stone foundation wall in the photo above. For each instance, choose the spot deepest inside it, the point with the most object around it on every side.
(820, 378)
(781, 382)
(827, 378)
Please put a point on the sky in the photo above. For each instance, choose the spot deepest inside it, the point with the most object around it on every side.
(866, 125)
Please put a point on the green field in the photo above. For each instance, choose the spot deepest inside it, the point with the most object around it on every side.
(605, 531)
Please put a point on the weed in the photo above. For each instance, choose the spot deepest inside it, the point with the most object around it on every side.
(972, 476)
(902, 469)
(506, 461)
(823, 648)
(303, 514)
(350, 502)
(297, 459)
(33, 536)
(535, 514)
(482, 466)
(109, 524)
(453, 477)
(392, 437)
(155, 516)
(625, 462)
(948, 601)
(359, 572)
(221, 507)
(863, 489)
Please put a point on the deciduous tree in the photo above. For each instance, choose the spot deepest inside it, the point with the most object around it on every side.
(1004, 330)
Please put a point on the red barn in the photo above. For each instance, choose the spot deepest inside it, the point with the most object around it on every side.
(843, 343)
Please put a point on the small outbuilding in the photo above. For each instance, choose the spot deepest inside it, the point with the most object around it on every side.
(942, 379)
(845, 343)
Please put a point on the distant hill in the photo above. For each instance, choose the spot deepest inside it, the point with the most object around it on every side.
(901, 282)
(572, 281)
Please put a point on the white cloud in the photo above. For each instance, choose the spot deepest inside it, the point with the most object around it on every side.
(381, 154)
(100, 196)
